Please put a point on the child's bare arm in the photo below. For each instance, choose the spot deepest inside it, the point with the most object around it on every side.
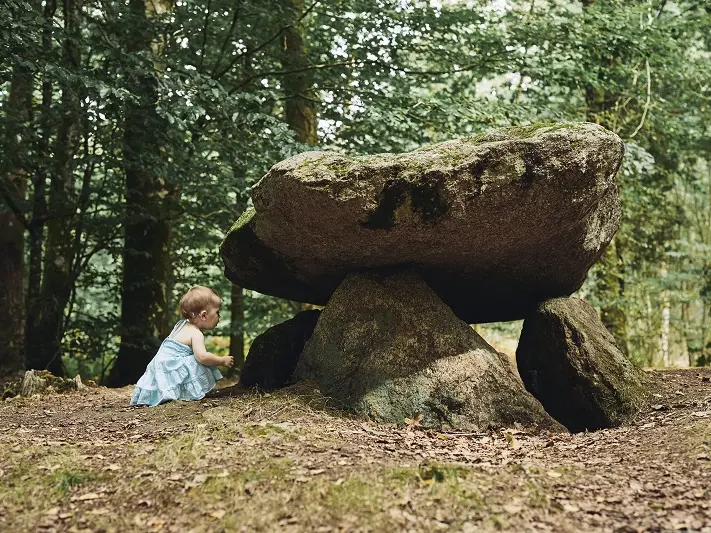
(203, 356)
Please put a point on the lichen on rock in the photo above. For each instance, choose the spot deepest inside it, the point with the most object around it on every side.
(387, 347)
(570, 362)
(494, 223)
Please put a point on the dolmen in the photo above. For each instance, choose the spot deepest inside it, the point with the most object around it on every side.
(405, 251)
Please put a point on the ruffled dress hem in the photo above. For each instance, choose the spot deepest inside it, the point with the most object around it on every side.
(174, 374)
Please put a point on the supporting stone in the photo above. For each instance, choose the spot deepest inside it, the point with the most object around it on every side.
(387, 347)
(273, 355)
(570, 362)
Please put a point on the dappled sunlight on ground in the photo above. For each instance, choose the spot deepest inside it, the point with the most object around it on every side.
(285, 461)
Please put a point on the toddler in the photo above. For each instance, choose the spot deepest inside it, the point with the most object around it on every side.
(183, 369)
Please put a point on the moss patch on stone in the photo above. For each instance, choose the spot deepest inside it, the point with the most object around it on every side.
(451, 153)
(244, 219)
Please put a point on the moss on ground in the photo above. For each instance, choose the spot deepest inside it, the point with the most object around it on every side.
(252, 462)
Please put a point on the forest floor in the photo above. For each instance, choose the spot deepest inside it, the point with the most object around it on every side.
(84, 461)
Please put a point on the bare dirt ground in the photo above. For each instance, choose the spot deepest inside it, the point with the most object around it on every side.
(84, 461)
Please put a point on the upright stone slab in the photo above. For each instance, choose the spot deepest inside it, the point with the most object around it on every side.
(570, 362)
(387, 347)
(273, 355)
(494, 223)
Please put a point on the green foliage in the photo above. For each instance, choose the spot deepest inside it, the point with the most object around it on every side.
(65, 481)
(389, 76)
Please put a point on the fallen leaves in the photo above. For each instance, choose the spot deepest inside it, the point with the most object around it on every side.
(419, 479)
(196, 481)
(86, 497)
(511, 508)
(415, 420)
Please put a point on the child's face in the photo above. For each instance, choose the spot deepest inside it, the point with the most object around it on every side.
(209, 318)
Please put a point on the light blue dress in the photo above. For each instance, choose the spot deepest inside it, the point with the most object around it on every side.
(174, 374)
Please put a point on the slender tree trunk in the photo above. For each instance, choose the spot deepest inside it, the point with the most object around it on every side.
(705, 348)
(610, 289)
(237, 311)
(665, 326)
(39, 196)
(685, 319)
(237, 325)
(300, 98)
(149, 199)
(46, 327)
(686, 326)
(12, 231)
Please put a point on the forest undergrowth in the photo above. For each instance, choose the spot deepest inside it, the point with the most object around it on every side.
(244, 461)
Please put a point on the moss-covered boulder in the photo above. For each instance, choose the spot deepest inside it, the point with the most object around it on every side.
(387, 347)
(41, 381)
(273, 355)
(570, 362)
(494, 223)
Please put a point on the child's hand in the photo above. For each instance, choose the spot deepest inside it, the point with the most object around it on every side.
(228, 360)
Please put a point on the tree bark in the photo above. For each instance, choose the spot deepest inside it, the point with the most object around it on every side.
(665, 326)
(149, 198)
(610, 288)
(300, 100)
(237, 311)
(687, 353)
(39, 194)
(47, 325)
(12, 231)
(237, 326)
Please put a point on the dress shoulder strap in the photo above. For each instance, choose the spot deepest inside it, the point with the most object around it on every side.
(178, 326)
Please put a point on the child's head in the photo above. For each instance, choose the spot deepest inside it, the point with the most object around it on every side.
(201, 306)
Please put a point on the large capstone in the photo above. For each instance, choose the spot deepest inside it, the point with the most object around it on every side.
(387, 347)
(570, 362)
(494, 223)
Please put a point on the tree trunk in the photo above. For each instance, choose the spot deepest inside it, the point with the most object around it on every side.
(47, 326)
(705, 348)
(687, 353)
(665, 326)
(300, 99)
(237, 326)
(39, 199)
(12, 232)
(611, 290)
(149, 199)
(237, 311)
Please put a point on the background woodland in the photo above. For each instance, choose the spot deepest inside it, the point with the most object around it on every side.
(132, 132)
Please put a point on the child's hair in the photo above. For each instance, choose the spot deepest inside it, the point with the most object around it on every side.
(197, 299)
